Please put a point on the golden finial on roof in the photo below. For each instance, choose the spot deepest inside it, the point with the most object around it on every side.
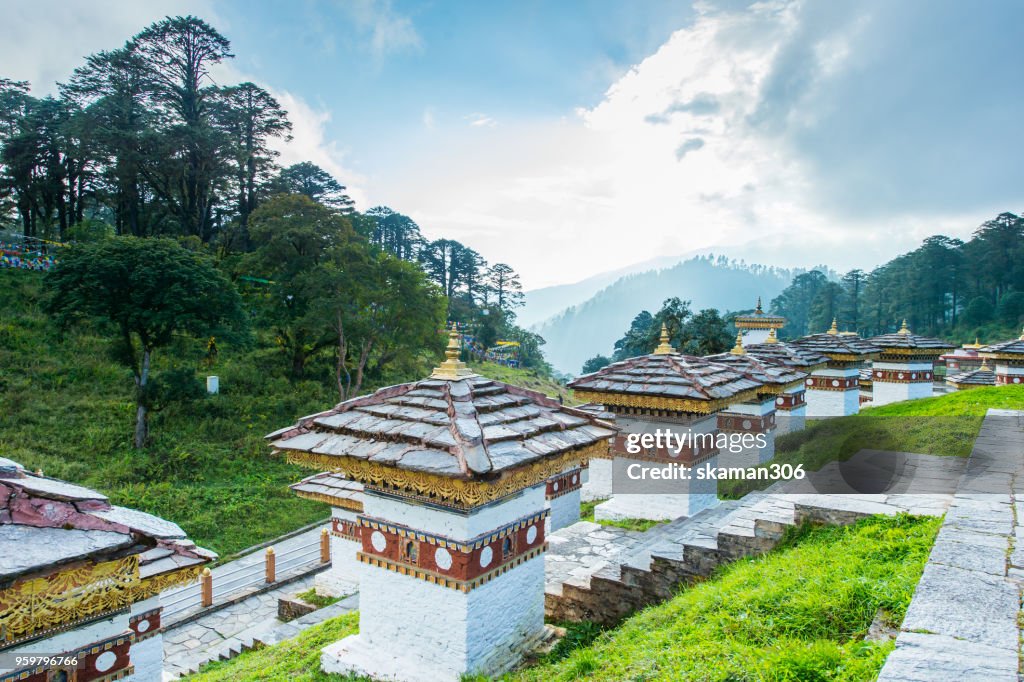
(452, 367)
(834, 329)
(738, 348)
(758, 310)
(771, 337)
(664, 348)
(903, 330)
(984, 365)
(974, 345)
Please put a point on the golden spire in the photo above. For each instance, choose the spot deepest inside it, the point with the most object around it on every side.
(771, 336)
(903, 330)
(758, 310)
(984, 365)
(738, 348)
(452, 367)
(834, 329)
(664, 348)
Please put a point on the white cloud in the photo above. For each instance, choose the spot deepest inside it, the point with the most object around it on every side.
(385, 30)
(309, 143)
(478, 120)
(669, 161)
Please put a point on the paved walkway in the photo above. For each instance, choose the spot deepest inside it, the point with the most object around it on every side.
(963, 623)
(233, 580)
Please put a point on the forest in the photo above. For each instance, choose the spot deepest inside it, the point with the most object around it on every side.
(140, 143)
(959, 290)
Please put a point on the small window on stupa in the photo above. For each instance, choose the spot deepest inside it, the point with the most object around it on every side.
(507, 547)
(410, 551)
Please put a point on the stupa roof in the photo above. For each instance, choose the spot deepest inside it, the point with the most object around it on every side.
(787, 355)
(838, 345)
(866, 377)
(1013, 349)
(667, 380)
(50, 523)
(759, 319)
(454, 426)
(904, 341)
(775, 378)
(983, 376)
(332, 488)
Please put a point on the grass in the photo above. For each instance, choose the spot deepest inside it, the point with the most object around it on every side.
(311, 597)
(641, 525)
(945, 425)
(67, 407)
(799, 613)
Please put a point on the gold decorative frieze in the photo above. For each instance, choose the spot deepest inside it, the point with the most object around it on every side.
(339, 502)
(664, 403)
(453, 492)
(164, 581)
(56, 601)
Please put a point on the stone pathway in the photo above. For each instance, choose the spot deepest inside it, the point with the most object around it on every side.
(963, 623)
(296, 555)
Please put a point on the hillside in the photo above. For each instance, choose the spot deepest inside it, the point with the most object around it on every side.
(592, 327)
(799, 613)
(67, 408)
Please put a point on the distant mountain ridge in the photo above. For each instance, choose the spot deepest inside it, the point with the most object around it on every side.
(591, 327)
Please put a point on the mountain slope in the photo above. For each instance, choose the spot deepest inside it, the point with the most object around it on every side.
(592, 327)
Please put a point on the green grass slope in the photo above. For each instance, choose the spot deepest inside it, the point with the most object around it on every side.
(945, 425)
(798, 614)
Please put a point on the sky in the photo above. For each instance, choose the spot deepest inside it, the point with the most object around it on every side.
(568, 138)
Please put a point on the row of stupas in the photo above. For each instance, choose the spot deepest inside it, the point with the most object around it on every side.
(444, 491)
(80, 580)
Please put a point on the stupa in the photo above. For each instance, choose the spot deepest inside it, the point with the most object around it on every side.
(756, 415)
(454, 470)
(670, 393)
(905, 368)
(791, 404)
(1008, 358)
(80, 579)
(975, 378)
(833, 391)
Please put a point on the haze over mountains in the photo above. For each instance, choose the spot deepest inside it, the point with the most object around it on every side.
(592, 314)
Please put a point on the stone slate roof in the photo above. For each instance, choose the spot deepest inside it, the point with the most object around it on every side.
(975, 377)
(48, 522)
(332, 488)
(866, 377)
(911, 341)
(762, 371)
(469, 428)
(787, 355)
(837, 344)
(1012, 347)
(671, 376)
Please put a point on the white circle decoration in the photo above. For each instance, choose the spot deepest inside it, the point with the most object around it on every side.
(779, 401)
(105, 661)
(878, 374)
(900, 375)
(574, 479)
(378, 541)
(556, 485)
(142, 625)
(486, 556)
(913, 376)
(1016, 380)
(810, 382)
(746, 423)
(835, 382)
(531, 535)
(443, 558)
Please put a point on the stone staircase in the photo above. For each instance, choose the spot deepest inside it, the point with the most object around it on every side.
(668, 557)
